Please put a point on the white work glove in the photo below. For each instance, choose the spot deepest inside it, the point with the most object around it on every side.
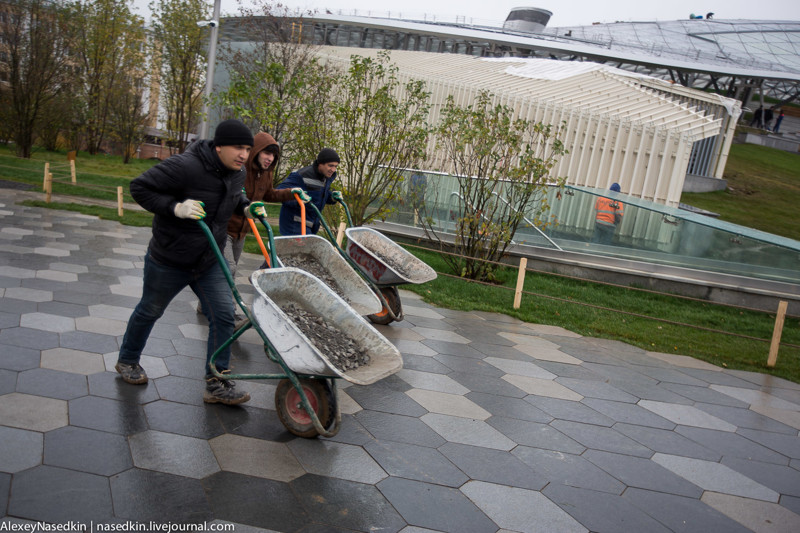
(255, 210)
(191, 209)
(302, 194)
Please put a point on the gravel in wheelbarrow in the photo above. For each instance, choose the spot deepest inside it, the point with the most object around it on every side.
(316, 255)
(384, 261)
(341, 350)
(282, 290)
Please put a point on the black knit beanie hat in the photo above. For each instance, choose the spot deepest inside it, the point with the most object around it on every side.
(232, 132)
(327, 155)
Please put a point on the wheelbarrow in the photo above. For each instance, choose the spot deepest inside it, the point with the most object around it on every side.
(306, 396)
(381, 262)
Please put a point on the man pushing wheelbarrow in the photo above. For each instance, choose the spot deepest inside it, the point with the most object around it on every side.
(381, 262)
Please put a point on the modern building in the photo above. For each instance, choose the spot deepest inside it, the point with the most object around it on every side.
(643, 117)
(642, 132)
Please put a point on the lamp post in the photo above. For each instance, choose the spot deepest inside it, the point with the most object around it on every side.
(212, 59)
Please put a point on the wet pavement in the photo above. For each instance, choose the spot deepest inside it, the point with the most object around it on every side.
(492, 425)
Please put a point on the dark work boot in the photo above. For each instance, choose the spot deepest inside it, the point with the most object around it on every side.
(220, 390)
(134, 373)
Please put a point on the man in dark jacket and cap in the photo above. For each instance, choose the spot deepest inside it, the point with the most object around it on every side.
(316, 180)
(205, 182)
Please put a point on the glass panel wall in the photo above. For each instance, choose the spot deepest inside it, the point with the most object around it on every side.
(646, 231)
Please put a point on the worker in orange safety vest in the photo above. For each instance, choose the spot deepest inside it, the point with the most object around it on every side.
(608, 215)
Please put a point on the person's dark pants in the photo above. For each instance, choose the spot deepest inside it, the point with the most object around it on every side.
(161, 285)
(603, 233)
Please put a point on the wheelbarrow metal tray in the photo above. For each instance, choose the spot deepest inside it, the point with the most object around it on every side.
(282, 286)
(371, 250)
(356, 291)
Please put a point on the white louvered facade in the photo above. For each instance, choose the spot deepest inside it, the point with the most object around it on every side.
(617, 126)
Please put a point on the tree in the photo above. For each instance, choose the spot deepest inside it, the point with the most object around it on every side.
(501, 164)
(181, 47)
(380, 128)
(279, 86)
(55, 119)
(109, 37)
(38, 39)
(128, 115)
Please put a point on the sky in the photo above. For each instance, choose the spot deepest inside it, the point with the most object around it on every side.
(565, 12)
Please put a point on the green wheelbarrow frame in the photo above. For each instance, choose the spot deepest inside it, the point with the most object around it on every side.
(269, 349)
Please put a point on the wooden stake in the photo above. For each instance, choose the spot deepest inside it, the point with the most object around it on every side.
(340, 233)
(46, 172)
(776, 334)
(119, 201)
(72, 171)
(48, 187)
(523, 264)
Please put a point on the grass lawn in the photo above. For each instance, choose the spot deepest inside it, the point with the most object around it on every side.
(764, 188)
(577, 305)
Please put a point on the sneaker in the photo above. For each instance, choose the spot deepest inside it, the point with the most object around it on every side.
(220, 390)
(133, 374)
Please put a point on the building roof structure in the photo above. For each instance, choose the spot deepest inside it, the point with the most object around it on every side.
(734, 57)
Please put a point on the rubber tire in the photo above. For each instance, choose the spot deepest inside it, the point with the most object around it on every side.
(290, 410)
(392, 296)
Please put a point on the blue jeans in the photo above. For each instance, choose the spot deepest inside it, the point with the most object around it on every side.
(161, 284)
(603, 234)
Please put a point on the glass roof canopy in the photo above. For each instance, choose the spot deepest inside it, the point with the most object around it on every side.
(767, 45)
(731, 56)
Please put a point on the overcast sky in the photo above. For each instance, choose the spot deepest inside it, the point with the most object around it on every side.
(565, 12)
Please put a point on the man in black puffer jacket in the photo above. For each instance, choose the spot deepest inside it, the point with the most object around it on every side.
(204, 182)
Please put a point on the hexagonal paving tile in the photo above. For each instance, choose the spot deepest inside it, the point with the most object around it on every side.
(87, 450)
(103, 326)
(69, 267)
(75, 361)
(19, 273)
(29, 338)
(334, 459)
(47, 322)
(52, 384)
(30, 295)
(55, 275)
(115, 263)
(246, 455)
(448, 404)
(173, 454)
(36, 490)
(159, 498)
(22, 449)
(25, 411)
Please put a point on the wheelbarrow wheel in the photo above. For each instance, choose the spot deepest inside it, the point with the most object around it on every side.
(290, 409)
(392, 296)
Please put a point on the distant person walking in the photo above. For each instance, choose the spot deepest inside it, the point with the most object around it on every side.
(767, 118)
(757, 117)
(608, 215)
(778, 121)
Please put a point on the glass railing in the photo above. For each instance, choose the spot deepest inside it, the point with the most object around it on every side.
(647, 231)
